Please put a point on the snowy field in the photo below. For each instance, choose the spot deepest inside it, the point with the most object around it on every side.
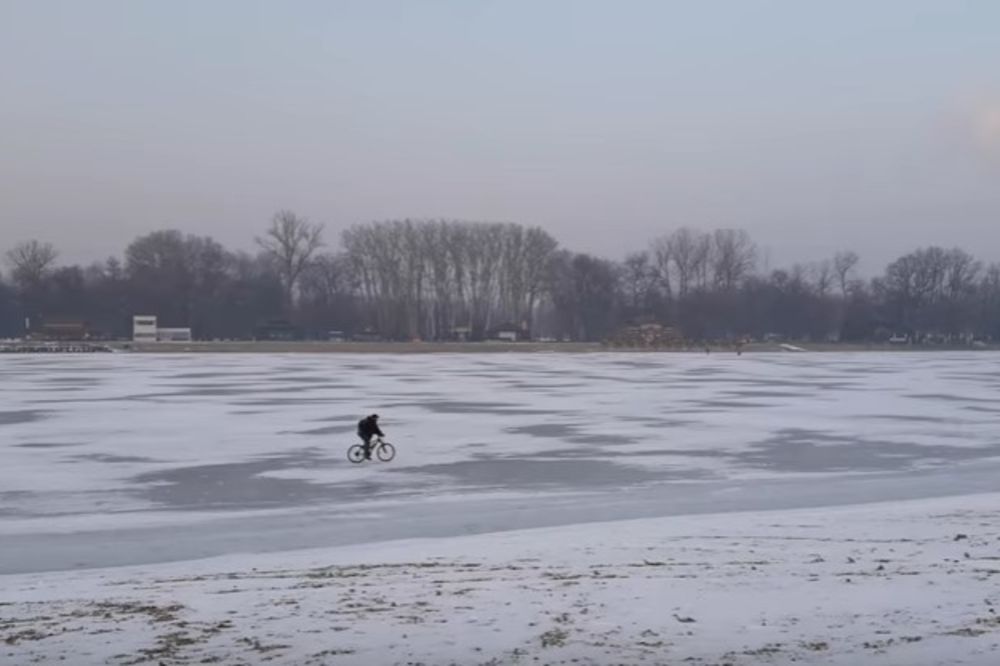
(592, 493)
(909, 584)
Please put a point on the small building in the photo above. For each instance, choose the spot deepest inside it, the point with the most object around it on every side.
(461, 333)
(173, 335)
(277, 330)
(144, 328)
(367, 335)
(509, 333)
(63, 330)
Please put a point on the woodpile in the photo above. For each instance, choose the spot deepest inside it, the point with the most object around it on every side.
(646, 336)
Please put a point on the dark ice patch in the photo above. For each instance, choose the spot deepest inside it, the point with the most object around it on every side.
(21, 416)
(569, 432)
(728, 404)
(461, 407)
(552, 474)
(241, 485)
(948, 397)
(800, 450)
(645, 453)
(111, 458)
(325, 430)
(47, 445)
(763, 393)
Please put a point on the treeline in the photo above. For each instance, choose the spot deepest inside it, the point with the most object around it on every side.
(439, 280)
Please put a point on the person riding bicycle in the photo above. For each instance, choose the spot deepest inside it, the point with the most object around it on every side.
(368, 428)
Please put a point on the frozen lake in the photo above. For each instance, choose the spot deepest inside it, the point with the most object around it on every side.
(125, 459)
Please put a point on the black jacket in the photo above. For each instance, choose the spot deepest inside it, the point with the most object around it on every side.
(368, 427)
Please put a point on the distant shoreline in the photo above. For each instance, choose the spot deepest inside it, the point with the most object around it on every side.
(305, 347)
(492, 347)
(496, 348)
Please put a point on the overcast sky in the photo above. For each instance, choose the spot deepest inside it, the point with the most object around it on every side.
(816, 126)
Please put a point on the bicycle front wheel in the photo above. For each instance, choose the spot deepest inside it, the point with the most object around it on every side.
(356, 453)
(386, 452)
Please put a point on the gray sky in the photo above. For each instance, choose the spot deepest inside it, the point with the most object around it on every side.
(816, 126)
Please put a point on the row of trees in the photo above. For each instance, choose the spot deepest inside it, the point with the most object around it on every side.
(435, 280)
(427, 279)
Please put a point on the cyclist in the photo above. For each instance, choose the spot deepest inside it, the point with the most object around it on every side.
(368, 428)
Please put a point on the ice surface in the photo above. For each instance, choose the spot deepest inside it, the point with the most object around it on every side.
(102, 453)
(624, 464)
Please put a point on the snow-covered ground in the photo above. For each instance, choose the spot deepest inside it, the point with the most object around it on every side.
(909, 583)
(121, 473)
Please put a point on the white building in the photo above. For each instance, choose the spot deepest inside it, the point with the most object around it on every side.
(144, 328)
(173, 334)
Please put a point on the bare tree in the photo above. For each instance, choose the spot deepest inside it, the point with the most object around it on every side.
(30, 262)
(822, 276)
(512, 279)
(327, 294)
(702, 258)
(961, 274)
(436, 241)
(482, 259)
(535, 261)
(687, 249)
(584, 295)
(733, 257)
(636, 277)
(843, 265)
(415, 261)
(390, 260)
(424, 278)
(291, 242)
(663, 255)
(177, 277)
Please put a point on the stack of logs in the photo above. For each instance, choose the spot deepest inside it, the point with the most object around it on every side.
(646, 336)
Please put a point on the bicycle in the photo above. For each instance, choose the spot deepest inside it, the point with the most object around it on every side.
(382, 449)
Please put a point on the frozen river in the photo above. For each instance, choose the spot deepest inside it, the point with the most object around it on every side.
(126, 459)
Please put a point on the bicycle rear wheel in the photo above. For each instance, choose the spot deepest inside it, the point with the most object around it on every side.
(356, 453)
(386, 452)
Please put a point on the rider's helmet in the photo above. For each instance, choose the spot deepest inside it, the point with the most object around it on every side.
(374, 417)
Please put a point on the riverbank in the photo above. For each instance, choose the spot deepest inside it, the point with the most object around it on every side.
(308, 347)
(492, 347)
(908, 582)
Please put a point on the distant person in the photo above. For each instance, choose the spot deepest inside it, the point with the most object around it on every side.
(368, 428)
